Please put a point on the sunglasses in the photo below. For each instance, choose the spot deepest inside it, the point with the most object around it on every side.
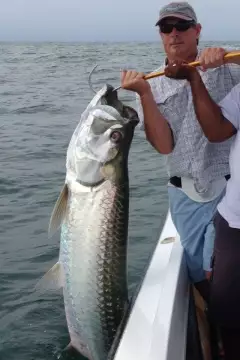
(166, 28)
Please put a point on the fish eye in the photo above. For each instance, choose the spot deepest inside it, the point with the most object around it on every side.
(116, 136)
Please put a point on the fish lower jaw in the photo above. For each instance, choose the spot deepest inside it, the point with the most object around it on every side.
(75, 187)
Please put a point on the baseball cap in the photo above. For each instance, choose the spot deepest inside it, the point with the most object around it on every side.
(182, 10)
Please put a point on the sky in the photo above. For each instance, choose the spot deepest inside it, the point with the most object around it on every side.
(108, 20)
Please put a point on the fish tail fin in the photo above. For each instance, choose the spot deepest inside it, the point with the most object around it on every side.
(58, 212)
(52, 280)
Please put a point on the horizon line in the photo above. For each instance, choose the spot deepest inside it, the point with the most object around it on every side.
(102, 41)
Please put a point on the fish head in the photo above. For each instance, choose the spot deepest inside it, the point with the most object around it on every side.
(103, 140)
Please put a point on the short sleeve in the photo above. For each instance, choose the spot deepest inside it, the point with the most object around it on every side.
(140, 112)
(230, 106)
(234, 70)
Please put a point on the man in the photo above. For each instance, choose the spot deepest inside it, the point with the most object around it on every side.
(198, 170)
(219, 123)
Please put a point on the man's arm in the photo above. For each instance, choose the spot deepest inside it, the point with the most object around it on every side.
(214, 125)
(157, 129)
(214, 57)
(213, 118)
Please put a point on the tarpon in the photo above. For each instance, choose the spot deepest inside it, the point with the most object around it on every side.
(92, 211)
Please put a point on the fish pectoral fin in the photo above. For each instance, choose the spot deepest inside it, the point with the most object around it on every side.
(69, 347)
(78, 349)
(58, 212)
(52, 280)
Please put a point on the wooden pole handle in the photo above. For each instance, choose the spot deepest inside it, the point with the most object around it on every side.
(194, 63)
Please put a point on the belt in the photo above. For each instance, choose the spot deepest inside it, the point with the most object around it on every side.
(177, 181)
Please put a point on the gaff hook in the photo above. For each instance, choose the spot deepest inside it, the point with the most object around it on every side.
(89, 79)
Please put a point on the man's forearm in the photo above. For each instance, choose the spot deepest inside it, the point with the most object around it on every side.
(215, 127)
(157, 129)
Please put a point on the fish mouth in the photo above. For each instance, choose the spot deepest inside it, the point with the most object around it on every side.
(176, 44)
(127, 112)
(111, 96)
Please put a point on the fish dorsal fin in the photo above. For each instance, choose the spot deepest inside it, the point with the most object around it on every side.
(58, 212)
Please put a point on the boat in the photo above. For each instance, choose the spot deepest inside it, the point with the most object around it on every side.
(167, 319)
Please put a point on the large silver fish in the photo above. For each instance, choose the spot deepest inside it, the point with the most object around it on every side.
(92, 210)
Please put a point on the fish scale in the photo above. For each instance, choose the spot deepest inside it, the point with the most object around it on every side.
(106, 284)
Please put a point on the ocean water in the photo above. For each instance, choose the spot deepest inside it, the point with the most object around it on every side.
(43, 90)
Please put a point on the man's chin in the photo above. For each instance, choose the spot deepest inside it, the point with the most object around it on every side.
(177, 49)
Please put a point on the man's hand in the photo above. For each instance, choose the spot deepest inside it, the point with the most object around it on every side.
(180, 71)
(212, 58)
(134, 81)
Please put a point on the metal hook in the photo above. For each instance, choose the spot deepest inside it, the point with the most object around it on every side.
(117, 88)
(89, 80)
(90, 83)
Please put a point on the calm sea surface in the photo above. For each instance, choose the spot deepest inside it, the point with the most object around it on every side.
(43, 90)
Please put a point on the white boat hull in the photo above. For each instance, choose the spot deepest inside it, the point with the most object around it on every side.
(157, 326)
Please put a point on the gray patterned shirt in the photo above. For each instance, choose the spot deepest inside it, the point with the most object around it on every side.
(193, 155)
